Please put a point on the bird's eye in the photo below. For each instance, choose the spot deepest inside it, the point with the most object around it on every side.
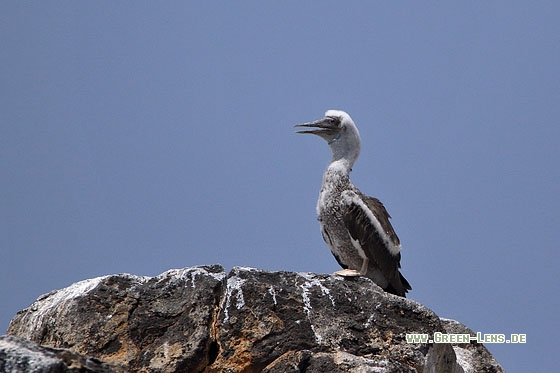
(335, 121)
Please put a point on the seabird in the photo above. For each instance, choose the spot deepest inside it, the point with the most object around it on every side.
(355, 227)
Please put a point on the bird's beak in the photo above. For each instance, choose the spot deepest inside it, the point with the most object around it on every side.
(325, 126)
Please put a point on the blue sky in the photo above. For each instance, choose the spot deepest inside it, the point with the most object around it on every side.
(139, 137)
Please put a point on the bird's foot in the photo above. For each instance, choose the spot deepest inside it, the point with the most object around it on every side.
(348, 273)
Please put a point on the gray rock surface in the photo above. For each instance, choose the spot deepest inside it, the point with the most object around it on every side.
(18, 355)
(202, 319)
(473, 357)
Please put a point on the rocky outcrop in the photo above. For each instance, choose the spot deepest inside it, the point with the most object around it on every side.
(202, 319)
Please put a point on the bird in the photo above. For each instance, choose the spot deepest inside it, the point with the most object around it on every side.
(355, 227)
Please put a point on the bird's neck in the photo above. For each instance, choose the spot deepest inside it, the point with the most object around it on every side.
(335, 180)
(340, 167)
(337, 176)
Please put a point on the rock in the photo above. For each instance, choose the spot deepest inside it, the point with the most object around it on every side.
(161, 323)
(473, 357)
(200, 319)
(269, 314)
(18, 355)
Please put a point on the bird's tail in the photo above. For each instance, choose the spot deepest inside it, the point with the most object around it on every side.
(399, 287)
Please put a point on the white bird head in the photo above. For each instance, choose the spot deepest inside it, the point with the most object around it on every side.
(340, 132)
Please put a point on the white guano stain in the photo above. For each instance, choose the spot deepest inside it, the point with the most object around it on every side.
(272, 292)
(234, 283)
(310, 282)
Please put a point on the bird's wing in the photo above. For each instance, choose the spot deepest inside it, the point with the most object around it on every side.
(383, 217)
(367, 221)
